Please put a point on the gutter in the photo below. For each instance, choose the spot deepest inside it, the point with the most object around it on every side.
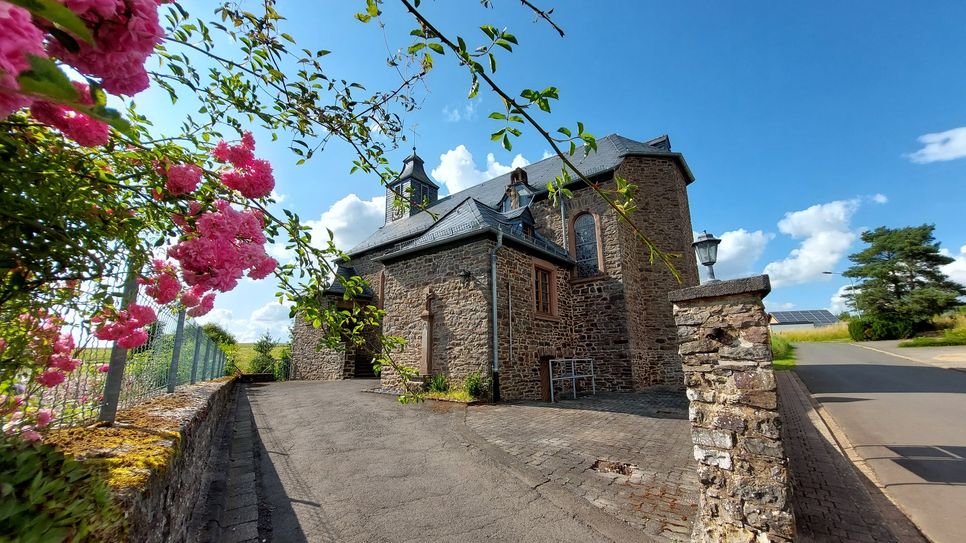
(495, 324)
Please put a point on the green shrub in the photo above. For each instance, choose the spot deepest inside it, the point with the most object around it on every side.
(476, 385)
(438, 383)
(781, 348)
(48, 497)
(263, 362)
(876, 328)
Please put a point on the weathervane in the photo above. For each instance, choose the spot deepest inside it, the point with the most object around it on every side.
(413, 130)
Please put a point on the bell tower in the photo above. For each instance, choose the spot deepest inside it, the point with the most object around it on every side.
(414, 186)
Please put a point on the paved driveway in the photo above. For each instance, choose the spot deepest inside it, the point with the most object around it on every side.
(906, 419)
(342, 465)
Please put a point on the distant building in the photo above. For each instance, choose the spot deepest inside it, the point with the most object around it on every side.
(799, 320)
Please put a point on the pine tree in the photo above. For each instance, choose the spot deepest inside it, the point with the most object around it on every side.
(264, 362)
(901, 279)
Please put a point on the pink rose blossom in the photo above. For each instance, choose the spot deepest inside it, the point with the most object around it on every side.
(207, 304)
(20, 37)
(29, 434)
(237, 155)
(164, 286)
(75, 125)
(253, 180)
(126, 32)
(44, 416)
(183, 178)
(51, 378)
(133, 340)
(103, 368)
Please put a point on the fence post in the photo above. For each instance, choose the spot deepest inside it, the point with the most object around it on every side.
(194, 360)
(176, 353)
(115, 371)
(204, 365)
(221, 363)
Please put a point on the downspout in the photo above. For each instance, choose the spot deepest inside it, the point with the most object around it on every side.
(496, 339)
(563, 217)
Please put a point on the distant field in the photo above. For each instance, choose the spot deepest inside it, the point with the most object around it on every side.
(835, 332)
(245, 353)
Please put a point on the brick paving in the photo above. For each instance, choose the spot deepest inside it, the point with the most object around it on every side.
(833, 501)
(650, 431)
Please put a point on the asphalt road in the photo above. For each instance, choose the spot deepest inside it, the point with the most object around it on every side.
(338, 464)
(907, 420)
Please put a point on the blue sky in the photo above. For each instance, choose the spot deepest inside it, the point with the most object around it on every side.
(803, 123)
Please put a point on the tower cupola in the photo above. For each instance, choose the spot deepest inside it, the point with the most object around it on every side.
(414, 186)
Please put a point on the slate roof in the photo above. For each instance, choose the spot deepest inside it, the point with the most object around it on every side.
(807, 316)
(611, 151)
(472, 217)
(337, 289)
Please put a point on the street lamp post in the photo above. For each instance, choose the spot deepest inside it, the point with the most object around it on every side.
(706, 246)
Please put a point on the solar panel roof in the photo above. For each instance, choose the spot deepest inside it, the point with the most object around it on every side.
(814, 316)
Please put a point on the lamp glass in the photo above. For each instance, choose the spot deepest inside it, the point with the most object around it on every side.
(706, 247)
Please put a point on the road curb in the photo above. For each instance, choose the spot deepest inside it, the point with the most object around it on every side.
(845, 447)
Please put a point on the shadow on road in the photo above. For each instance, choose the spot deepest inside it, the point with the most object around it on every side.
(275, 513)
(660, 404)
(833, 378)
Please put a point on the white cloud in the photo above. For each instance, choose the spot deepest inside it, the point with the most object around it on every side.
(956, 270)
(455, 115)
(783, 306)
(839, 303)
(279, 198)
(738, 252)
(826, 236)
(271, 317)
(880, 198)
(948, 145)
(546, 154)
(350, 219)
(457, 170)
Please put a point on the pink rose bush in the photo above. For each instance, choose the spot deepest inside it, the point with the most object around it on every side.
(20, 37)
(250, 176)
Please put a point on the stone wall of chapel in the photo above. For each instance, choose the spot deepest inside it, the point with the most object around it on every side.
(664, 216)
(460, 307)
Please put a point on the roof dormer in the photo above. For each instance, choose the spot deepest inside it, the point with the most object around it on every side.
(519, 193)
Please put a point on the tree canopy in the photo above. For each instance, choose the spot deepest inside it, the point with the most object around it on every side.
(900, 275)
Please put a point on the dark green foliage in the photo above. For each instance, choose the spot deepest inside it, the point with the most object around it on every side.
(264, 362)
(902, 285)
(950, 338)
(284, 363)
(47, 497)
(781, 348)
(438, 383)
(476, 385)
(218, 334)
(876, 329)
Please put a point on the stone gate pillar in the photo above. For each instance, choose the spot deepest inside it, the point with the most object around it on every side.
(742, 467)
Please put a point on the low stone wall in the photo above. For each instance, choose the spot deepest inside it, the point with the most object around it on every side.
(155, 456)
(735, 426)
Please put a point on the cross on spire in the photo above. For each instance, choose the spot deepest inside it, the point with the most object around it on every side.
(412, 129)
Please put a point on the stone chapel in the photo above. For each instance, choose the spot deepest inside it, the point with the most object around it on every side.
(498, 280)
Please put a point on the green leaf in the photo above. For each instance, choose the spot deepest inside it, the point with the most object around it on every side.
(57, 13)
(436, 47)
(46, 79)
(498, 116)
(415, 47)
(492, 63)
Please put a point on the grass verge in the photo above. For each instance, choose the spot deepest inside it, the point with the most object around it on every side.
(454, 395)
(835, 332)
(782, 352)
(950, 338)
(245, 352)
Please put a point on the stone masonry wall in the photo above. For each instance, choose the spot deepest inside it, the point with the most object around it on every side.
(308, 361)
(664, 216)
(533, 337)
(736, 430)
(460, 307)
(598, 309)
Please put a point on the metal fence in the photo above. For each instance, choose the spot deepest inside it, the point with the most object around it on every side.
(177, 353)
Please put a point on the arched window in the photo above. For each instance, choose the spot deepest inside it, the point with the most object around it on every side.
(586, 251)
